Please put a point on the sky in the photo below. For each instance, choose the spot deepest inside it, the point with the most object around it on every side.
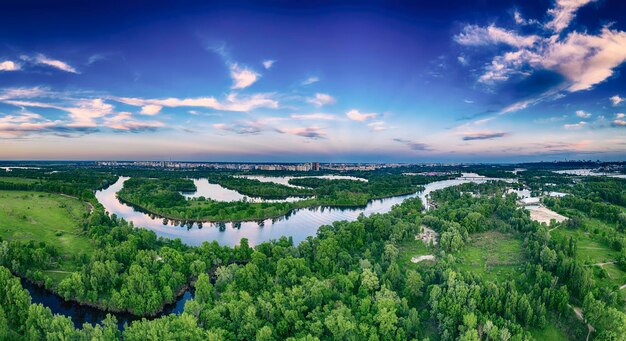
(292, 81)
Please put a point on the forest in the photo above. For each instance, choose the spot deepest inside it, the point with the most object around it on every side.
(495, 274)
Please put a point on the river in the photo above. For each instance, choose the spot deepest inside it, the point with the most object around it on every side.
(298, 225)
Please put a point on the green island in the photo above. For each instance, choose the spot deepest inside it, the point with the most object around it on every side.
(477, 266)
(162, 196)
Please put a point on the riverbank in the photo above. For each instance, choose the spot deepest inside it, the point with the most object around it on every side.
(303, 204)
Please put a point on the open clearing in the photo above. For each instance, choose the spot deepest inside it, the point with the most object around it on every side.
(493, 254)
(543, 214)
(413, 250)
(45, 217)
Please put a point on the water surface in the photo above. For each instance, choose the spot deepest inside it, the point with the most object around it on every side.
(298, 225)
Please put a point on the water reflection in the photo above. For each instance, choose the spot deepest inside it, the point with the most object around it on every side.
(218, 193)
(81, 314)
(298, 224)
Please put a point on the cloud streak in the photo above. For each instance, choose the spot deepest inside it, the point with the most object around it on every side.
(233, 102)
(484, 136)
(55, 63)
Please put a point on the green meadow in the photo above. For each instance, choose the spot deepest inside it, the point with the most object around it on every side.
(46, 217)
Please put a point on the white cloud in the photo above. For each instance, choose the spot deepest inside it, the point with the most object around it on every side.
(311, 80)
(150, 109)
(582, 59)
(87, 111)
(242, 128)
(11, 93)
(575, 125)
(356, 115)
(473, 35)
(321, 99)
(82, 113)
(583, 114)
(619, 115)
(242, 77)
(616, 100)
(563, 13)
(233, 102)
(468, 101)
(586, 60)
(319, 116)
(510, 63)
(267, 64)
(619, 123)
(57, 64)
(124, 121)
(16, 126)
(8, 65)
(377, 126)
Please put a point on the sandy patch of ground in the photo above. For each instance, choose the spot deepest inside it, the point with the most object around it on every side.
(544, 215)
(427, 235)
(422, 258)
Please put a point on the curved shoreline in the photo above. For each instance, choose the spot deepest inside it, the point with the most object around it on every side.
(177, 296)
(272, 217)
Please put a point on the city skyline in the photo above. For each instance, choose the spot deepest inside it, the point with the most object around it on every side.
(490, 81)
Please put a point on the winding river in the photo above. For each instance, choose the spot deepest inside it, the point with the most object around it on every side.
(298, 225)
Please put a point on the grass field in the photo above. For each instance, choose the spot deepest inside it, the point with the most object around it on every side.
(410, 249)
(51, 218)
(494, 255)
(550, 332)
(17, 180)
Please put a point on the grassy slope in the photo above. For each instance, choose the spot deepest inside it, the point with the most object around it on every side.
(51, 218)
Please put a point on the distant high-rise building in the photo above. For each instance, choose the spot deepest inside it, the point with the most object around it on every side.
(316, 166)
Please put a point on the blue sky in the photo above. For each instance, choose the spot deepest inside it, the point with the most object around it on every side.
(330, 81)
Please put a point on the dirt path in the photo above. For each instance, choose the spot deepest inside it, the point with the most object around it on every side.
(605, 263)
(579, 313)
(422, 258)
(86, 202)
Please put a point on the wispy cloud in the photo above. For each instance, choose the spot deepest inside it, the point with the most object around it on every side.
(563, 13)
(317, 116)
(377, 126)
(581, 60)
(242, 129)
(233, 102)
(16, 126)
(616, 100)
(575, 125)
(267, 64)
(484, 135)
(417, 146)
(242, 76)
(124, 121)
(9, 65)
(619, 120)
(308, 132)
(310, 80)
(356, 115)
(473, 35)
(55, 63)
(583, 114)
(321, 99)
